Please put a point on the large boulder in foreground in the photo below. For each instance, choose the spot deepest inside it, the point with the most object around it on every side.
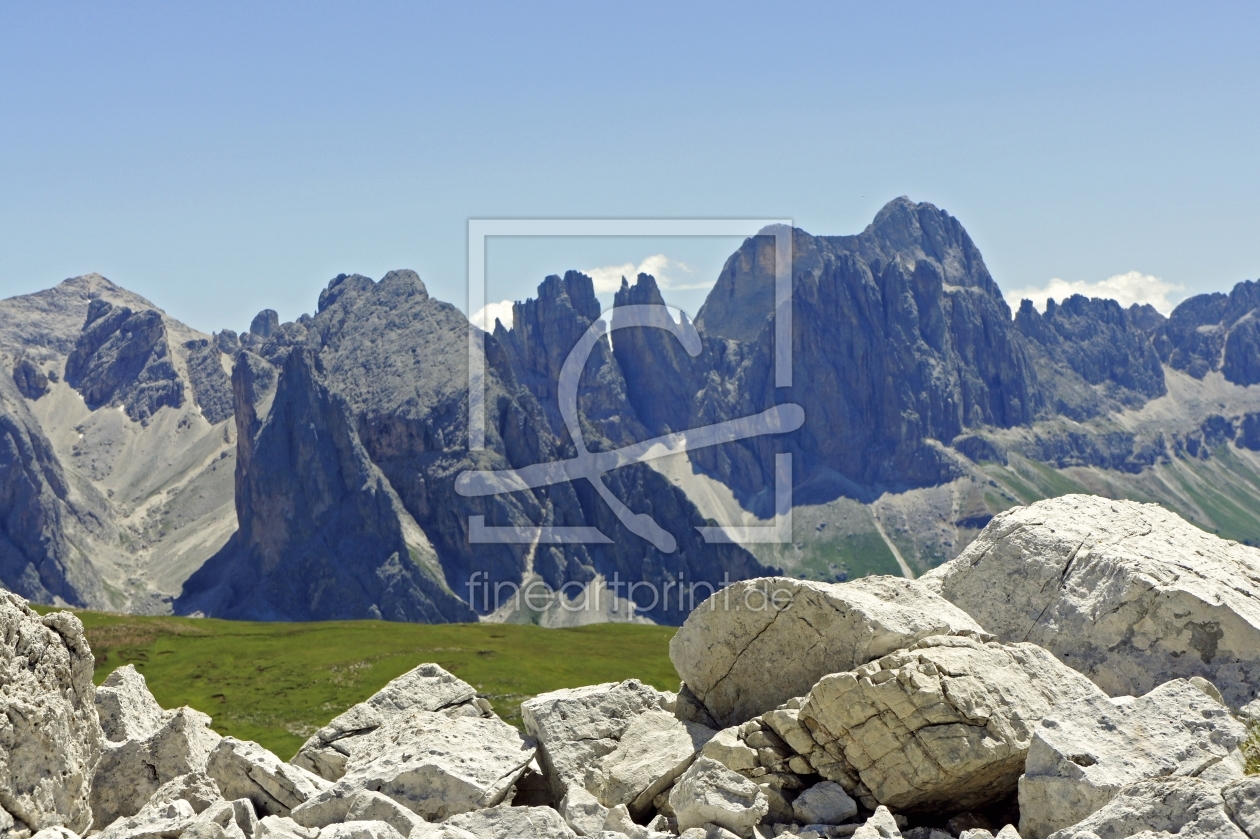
(1084, 752)
(654, 750)
(434, 765)
(755, 644)
(1128, 594)
(424, 688)
(944, 725)
(1187, 808)
(50, 738)
(244, 769)
(145, 746)
(576, 727)
(709, 793)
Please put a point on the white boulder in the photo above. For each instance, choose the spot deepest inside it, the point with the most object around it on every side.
(1084, 752)
(50, 737)
(575, 727)
(1128, 594)
(361, 830)
(283, 827)
(244, 769)
(512, 823)
(130, 771)
(154, 821)
(654, 750)
(945, 723)
(798, 631)
(881, 825)
(709, 793)
(582, 811)
(126, 709)
(1242, 797)
(1187, 808)
(824, 803)
(432, 764)
(425, 688)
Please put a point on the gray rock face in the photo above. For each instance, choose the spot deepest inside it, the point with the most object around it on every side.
(31, 380)
(1126, 593)
(1084, 752)
(1216, 331)
(1184, 807)
(211, 387)
(425, 688)
(799, 631)
(122, 358)
(824, 803)
(654, 750)
(944, 725)
(244, 769)
(433, 764)
(709, 793)
(576, 727)
(126, 709)
(50, 738)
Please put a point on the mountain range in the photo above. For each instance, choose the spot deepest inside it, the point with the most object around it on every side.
(307, 470)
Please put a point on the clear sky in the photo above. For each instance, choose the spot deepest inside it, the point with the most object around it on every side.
(224, 157)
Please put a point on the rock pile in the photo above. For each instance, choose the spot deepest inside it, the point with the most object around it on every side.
(1040, 686)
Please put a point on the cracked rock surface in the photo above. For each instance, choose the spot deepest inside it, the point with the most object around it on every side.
(1187, 808)
(1084, 752)
(800, 631)
(945, 723)
(1128, 594)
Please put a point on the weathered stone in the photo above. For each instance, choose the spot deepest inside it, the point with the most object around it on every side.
(583, 812)
(50, 738)
(1187, 808)
(154, 821)
(426, 688)
(1128, 594)
(282, 827)
(1243, 800)
(881, 825)
(654, 750)
(730, 751)
(576, 727)
(360, 830)
(1085, 751)
(800, 631)
(366, 805)
(224, 820)
(824, 803)
(244, 769)
(130, 771)
(126, 709)
(512, 823)
(709, 793)
(433, 764)
(945, 723)
(1008, 832)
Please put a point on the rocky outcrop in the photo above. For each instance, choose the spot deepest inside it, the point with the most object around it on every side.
(51, 738)
(1126, 593)
(244, 769)
(800, 631)
(1210, 332)
(576, 727)
(946, 723)
(211, 386)
(1084, 752)
(1187, 808)
(323, 534)
(122, 358)
(31, 380)
(426, 688)
(512, 823)
(653, 751)
(709, 793)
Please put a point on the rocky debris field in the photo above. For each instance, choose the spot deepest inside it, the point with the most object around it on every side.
(1086, 669)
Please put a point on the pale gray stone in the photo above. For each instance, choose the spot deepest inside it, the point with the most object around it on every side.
(709, 793)
(728, 645)
(881, 825)
(50, 738)
(505, 822)
(126, 709)
(154, 821)
(282, 827)
(360, 830)
(824, 803)
(1008, 832)
(945, 723)
(57, 832)
(654, 750)
(583, 812)
(244, 769)
(729, 750)
(1187, 808)
(1127, 593)
(130, 771)
(433, 764)
(425, 688)
(1084, 752)
(576, 727)
(1242, 798)
(366, 805)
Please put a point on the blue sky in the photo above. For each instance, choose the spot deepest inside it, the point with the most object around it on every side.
(222, 158)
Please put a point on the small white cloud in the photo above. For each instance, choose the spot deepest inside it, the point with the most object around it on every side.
(666, 271)
(485, 317)
(1125, 289)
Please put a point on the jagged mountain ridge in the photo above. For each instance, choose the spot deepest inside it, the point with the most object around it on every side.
(329, 457)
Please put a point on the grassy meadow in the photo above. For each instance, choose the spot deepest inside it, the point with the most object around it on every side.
(277, 683)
